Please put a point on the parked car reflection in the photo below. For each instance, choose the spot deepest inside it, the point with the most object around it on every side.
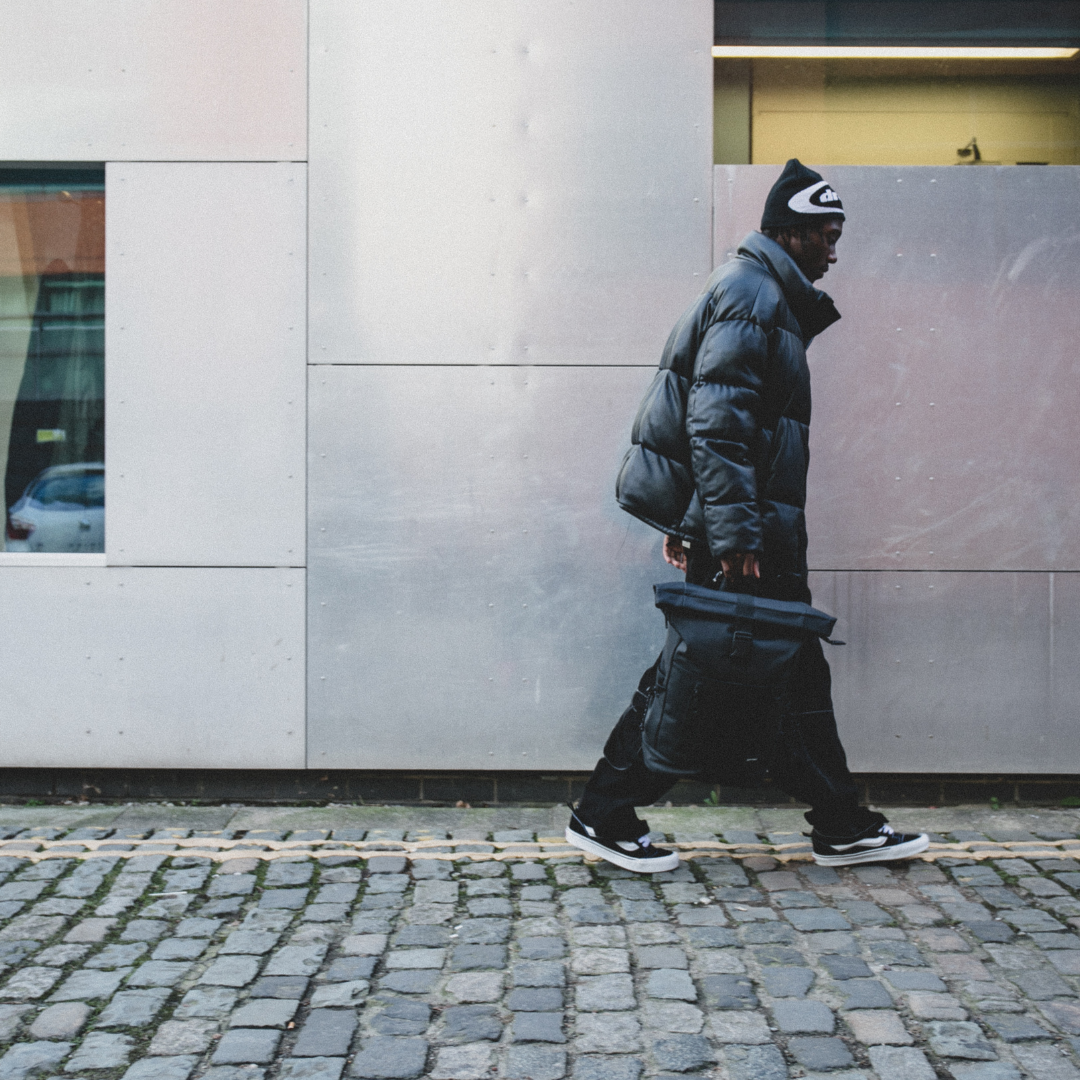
(62, 509)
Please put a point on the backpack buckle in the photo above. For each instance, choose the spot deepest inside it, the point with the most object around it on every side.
(741, 643)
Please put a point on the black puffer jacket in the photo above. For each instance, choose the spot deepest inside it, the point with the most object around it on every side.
(721, 441)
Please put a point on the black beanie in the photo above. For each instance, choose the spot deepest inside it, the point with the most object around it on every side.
(798, 197)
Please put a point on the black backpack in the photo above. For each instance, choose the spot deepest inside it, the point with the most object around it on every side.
(728, 655)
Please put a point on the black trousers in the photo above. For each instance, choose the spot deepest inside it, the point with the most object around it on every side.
(804, 757)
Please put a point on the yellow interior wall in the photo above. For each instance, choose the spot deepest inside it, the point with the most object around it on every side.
(836, 115)
(731, 112)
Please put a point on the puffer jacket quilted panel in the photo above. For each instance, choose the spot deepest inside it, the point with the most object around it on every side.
(721, 441)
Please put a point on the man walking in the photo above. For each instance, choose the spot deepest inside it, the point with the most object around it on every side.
(718, 463)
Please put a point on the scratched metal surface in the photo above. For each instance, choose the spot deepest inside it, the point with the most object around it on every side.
(507, 181)
(945, 399)
(477, 598)
(955, 672)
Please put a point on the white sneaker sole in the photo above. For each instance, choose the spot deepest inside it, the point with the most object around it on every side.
(627, 862)
(882, 854)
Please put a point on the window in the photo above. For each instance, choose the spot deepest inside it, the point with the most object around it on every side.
(881, 112)
(52, 358)
(911, 82)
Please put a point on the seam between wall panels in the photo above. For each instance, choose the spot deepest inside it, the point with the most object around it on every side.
(307, 381)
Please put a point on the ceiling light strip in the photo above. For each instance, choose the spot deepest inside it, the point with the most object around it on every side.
(889, 52)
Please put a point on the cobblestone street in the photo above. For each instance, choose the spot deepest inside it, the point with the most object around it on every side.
(452, 945)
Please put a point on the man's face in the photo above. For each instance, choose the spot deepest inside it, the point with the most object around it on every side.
(814, 255)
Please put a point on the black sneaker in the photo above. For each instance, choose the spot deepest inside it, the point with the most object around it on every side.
(637, 855)
(880, 845)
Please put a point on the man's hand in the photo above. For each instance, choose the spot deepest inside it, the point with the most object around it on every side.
(675, 553)
(736, 564)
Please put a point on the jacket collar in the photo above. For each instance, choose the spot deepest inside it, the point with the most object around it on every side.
(813, 309)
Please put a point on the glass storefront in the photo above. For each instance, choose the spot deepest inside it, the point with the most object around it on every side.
(52, 358)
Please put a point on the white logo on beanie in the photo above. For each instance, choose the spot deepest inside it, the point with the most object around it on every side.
(818, 198)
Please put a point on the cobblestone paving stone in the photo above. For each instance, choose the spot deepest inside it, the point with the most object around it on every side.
(144, 962)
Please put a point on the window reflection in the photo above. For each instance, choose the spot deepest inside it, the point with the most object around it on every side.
(52, 358)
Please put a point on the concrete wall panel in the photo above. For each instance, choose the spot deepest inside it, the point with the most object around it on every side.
(205, 370)
(124, 80)
(153, 668)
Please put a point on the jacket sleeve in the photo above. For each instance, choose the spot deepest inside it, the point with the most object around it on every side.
(723, 423)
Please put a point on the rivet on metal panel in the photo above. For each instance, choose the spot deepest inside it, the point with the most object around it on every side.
(899, 329)
(899, 254)
(898, 586)
(931, 404)
(899, 179)
(896, 478)
(898, 403)
(933, 181)
(931, 478)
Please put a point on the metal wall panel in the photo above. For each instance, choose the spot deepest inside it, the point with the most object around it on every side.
(956, 673)
(507, 181)
(945, 399)
(477, 599)
(124, 80)
(153, 668)
(205, 379)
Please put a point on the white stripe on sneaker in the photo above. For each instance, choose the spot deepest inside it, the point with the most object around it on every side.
(872, 842)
